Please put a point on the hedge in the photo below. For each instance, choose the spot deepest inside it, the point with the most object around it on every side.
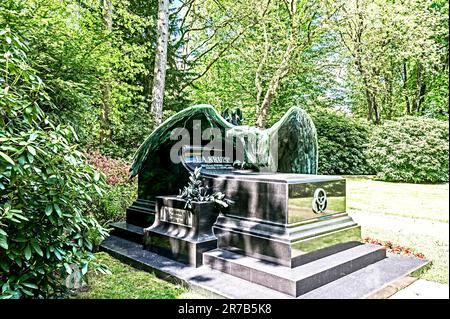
(410, 149)
(342, 143)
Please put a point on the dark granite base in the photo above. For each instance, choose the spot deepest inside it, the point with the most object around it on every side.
(186, 250)
(287, 246)
(299, 280)
(141, 213)
(128, 231)
(212, 283)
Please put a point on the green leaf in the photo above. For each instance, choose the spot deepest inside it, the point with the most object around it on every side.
(7, 158)
(37, 248)
(98, 189)
(48, 210)
(31, 150)
(84, 268)
(27, 252)
(3, 243)
(4, 266)
(30, 285)
(57, 254)
(58, 210)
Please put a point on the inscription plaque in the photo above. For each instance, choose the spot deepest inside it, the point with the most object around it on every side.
(176, 216)
(217, 162)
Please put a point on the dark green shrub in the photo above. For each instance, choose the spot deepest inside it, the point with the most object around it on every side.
(410, 149)
(45, 188)
(342, 142)
(112, 205)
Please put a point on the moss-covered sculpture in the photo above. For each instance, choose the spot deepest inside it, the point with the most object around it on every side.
(296, 148)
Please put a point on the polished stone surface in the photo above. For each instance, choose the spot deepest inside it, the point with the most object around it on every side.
(216, 284)
(273, 217)
(301, 279)
(179, 233)
(141, 213)
(128, 231)
(288, 246)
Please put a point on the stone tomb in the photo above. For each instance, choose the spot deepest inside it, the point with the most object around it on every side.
(185, 234)
(286, 231)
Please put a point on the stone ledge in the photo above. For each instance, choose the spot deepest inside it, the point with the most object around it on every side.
(213, 283)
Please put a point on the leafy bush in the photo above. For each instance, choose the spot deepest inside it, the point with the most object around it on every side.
(410, 149)
(119, 193)
(115, 170)
(45, 187)
(111, 207)
(342, 142)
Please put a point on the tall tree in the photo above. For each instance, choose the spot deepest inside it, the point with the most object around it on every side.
(106, 85)
(160, 60)
(391, 51)
(282, 49)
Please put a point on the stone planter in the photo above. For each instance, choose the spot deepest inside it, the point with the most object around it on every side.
(179, 233)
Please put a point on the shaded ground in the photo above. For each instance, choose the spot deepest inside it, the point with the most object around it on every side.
(130, 283)
(411, 215)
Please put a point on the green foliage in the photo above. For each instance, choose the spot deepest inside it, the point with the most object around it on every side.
(45, 187)
(126, 282)
(68, 48)
(120, 192)
(77, 56)
(410, 149)
(112, 205)
(196, 192)
(342, 143)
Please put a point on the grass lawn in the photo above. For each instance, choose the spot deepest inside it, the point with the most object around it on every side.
(128, 282)
(410, 215)
(418, 201)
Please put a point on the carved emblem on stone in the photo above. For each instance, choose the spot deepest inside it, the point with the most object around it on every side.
(319, 203)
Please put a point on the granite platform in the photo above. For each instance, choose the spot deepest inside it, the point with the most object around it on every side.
(212, 283)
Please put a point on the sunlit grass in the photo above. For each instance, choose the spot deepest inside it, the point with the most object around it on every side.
(412, 202)
(422, 201)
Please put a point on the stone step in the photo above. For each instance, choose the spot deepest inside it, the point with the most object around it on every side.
(299, 280)
(141, 213)
(128, 231)
(215, 284)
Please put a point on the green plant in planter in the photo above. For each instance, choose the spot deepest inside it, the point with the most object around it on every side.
(196, 192)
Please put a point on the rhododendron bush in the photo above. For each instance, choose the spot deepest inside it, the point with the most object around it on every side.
(120, 191)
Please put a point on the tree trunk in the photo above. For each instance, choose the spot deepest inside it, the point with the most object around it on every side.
(105, 127)
(274, 84)
(405, 89)
(376, 110)
(160, 61)
(420, 89)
